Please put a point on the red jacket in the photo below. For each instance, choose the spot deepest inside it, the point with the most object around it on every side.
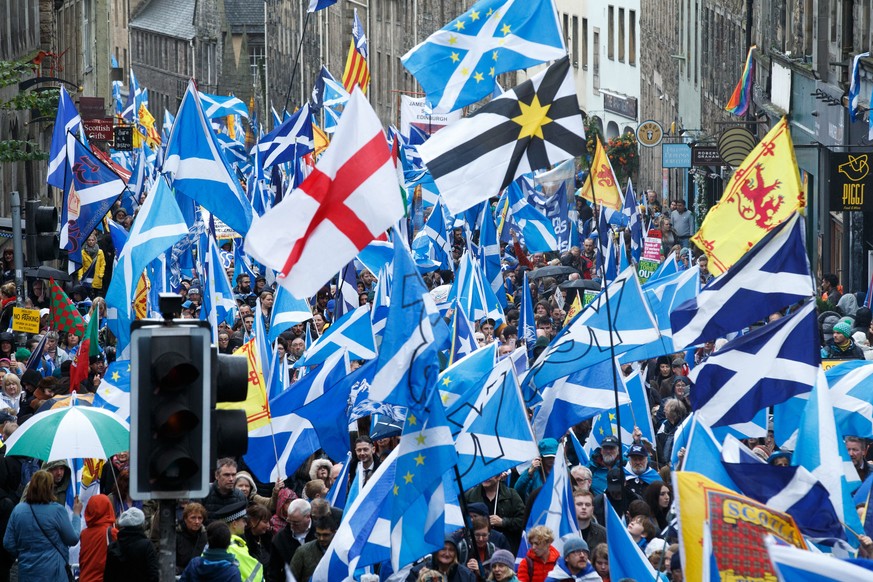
(540, 569)
(95, 538)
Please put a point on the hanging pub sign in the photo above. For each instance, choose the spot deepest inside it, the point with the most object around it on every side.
(850, 181)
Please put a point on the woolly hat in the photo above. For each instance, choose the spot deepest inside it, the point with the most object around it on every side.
(504, 557)
(133, 517)
(843, 328)
(574, 544)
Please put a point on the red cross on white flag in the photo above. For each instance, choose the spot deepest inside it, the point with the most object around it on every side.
(350, 198)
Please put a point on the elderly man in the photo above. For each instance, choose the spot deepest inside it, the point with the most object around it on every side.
(602, 460)
(297, 532)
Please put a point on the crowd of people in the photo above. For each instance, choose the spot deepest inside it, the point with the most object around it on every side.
(248, 530)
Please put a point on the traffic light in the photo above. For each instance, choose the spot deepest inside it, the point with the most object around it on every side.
(41, 228)
(230, 432)
(170, 410)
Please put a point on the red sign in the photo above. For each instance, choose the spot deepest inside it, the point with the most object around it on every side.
(98, 129)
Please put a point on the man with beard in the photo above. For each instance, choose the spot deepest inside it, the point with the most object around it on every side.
(602, 460)
(638, 474)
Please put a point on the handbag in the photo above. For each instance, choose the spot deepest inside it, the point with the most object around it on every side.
(67, 568)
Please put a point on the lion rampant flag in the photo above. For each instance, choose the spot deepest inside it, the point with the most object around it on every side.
(763, 192)
(605, 185)
(256, 404)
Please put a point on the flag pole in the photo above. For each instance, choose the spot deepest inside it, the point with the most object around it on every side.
(468, 524)
(296, 61)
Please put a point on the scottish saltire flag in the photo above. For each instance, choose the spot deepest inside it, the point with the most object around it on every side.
(585, 341)
(458, 65)
(762, 368)
(626, 559)
(610, 263)
(94, 188)
(198, 168)
(287, 312)
(67, 120)
(489, 258)
(329, 98)
(407, 365)
(663, 295)
(241, 264)
(582, 395)
(167, 126)
(851, 390)
(488, 420)
(259, 335)
(218, 303)
(463, 343)
(793, 490)
(315, 5)
(347, 291)
(158, 226)
(431, 247)
(554, 506)
(321, 408)
(136, 97)
(113, 393)
(855, 84)
(795, 565)
(472, 294)
(634, 221)
(527, 323)
(821, 451)
(353, 331)
(221, 106)
(381, 302)
(289, 141)
(534, 228)
(770, 277)
(377, 255)
(702, 452)
(339, 491)
(636, 414)
(668, 266)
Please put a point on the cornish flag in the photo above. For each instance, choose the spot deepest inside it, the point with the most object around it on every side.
(350, 198)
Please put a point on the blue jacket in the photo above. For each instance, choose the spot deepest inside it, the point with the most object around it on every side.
(212, 566)
(40, 558)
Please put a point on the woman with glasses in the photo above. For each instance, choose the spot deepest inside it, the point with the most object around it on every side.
(483, 551)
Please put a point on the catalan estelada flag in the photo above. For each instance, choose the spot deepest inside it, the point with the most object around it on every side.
(601, 185)
(357, 71)
(742, 95)
(763, 192)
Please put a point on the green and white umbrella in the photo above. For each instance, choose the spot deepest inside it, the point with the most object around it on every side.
(74, 432)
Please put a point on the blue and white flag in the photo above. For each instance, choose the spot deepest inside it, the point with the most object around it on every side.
(360, 405)
(157, 227)
(554, 506)
(668, 266)
(198, 168)
(702, 452)
(795, 565)
(764, 367)
(320, 409)
(626, 559)
(820, 449)
(458, 65)
(329, 97)
(94, 188)
(463, 342)
(488, 420)
(534, 228)
(527, 323)
(353, 331)
(339, 491)
(851, 388)
(556, 209)
(793, 490)
(663, 295)
(113, 393)
(489, 258)
(315, 5)
(770, 277)
(855, 84)
(287, 312)
(220, 106)
(430, 246)
(636, 414)
(136, 96)
(67, 120)
(218, 302)
(635, 222)
(472, 294)
(289, 141)
(581, 395)
(585, 341)
(346, 291)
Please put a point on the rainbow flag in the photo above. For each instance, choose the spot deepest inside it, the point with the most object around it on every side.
(742, 95)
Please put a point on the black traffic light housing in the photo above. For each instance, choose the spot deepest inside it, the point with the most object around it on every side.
(170, 410)
(176, 434)
(41, 230)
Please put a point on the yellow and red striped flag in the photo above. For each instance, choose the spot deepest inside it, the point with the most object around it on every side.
(357, 70)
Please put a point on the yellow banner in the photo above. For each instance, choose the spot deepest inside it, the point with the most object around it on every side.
(763, 192)
(256, 405)
(738, 524)
(601, 181)
(26, 320)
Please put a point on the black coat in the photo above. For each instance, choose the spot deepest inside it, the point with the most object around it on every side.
(131, 558)
(189, 545)
(281, 551)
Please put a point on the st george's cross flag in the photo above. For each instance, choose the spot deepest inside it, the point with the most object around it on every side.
(527, 128)
(350, 198)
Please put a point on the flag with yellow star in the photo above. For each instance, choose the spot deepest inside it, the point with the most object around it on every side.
(458, 64)
(530, 127)
(113, 393)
